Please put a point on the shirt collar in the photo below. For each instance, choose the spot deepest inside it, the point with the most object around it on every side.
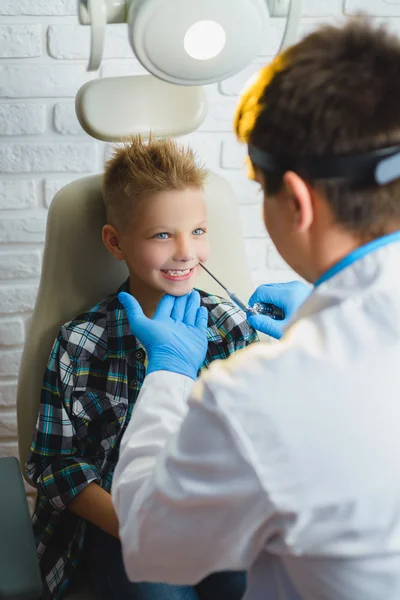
(357, 254)
(120, 339)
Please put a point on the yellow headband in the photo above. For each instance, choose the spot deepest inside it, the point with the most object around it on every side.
(250, 106)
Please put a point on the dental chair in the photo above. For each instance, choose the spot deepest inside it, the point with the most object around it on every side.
(78, 271)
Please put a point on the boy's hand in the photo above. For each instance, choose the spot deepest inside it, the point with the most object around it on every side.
(175, 339)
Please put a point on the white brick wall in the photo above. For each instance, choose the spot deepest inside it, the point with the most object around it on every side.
(17, 194)
(43, 54)
(19, 264)
(22, 119)
(11, 332)
(37, 7)
(43, 80)
(377, 8)
(20, 41)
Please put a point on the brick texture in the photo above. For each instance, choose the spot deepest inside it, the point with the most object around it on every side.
(73, 41)
(11, 332)
(41, 81)
(37, 8)
(22, 119)
(377, 8)
(17, 194)
(20, 41)
(20, 264)
(44, 157)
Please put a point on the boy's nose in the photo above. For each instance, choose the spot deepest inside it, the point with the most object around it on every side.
(183, 250)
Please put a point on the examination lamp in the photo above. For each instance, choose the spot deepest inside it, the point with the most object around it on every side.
(190, 42)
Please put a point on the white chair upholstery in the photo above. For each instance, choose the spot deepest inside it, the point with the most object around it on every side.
(111, 108)
(78, 271)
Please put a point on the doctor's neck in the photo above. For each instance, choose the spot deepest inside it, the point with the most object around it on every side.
(333, 244)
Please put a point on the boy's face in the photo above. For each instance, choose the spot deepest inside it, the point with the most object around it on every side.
(166, 241)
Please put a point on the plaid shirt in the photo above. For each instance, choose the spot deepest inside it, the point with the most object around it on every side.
(93, 377)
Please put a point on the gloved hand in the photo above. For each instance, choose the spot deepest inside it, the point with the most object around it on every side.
(175, 339)
(289, 296)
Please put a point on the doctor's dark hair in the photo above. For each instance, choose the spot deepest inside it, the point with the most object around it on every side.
(335, 92)
(138, 169)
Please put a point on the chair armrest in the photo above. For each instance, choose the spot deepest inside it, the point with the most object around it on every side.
(19, 567)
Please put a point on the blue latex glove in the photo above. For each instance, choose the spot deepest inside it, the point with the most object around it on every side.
(289, 296)
(175, 339)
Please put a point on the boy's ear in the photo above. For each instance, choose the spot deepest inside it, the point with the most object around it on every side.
(302, 201)
(111, 241)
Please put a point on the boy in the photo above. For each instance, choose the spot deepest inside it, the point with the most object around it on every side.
(299, 483)
(156, 222)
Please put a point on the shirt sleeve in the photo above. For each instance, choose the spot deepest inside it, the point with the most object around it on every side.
(250, 336)
(54, 466)
(239, 329)
(199, 508)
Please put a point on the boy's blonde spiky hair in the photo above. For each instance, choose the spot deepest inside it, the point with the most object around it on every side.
(140, 169)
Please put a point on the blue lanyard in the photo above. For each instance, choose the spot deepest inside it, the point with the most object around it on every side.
(357, 254)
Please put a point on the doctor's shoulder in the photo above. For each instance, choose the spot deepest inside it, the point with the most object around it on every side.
(228, 329)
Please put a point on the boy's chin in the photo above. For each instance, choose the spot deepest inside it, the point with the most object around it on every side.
(178, 290)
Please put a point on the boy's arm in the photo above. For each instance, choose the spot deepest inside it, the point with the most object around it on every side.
(243, 335)
(95, 505)
(250, 337)
(54, 466)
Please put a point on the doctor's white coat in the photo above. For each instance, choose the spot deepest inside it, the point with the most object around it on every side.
(283, 460)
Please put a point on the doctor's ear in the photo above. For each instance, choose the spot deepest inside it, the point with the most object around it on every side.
(300, 195)
(110, 238)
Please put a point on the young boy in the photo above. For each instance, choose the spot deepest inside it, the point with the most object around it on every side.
(157, 223)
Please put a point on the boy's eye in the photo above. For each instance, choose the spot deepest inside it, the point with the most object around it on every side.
(199, 231)
(162, 236)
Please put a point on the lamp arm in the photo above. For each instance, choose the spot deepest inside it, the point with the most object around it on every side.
(98, 13)
(291, 9)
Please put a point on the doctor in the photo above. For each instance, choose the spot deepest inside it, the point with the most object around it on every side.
(284, 459)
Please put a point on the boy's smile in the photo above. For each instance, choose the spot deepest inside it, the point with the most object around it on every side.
(178, 275)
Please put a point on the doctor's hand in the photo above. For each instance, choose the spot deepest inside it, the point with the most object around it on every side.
(175, 339)
(289, 296)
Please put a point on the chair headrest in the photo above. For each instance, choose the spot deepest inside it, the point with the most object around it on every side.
(114, 108)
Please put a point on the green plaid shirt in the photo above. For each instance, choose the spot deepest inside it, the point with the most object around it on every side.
(93, 377)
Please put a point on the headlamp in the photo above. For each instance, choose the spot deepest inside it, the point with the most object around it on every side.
(380, 166)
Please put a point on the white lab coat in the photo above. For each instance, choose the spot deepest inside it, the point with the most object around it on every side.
(287, 463)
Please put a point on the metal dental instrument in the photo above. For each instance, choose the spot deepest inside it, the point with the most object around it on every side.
(259, 308)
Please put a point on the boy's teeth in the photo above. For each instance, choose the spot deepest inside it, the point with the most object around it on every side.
(178, 273)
